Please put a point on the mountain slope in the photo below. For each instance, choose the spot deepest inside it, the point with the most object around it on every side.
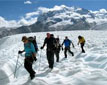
(100, 27)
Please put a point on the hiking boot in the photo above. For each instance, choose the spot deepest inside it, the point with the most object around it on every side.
(35, 59)
(72, 54)
(65, 56)
(32, 77)
(34, 72)
(83, 51)
(57, 60)
(50, 69)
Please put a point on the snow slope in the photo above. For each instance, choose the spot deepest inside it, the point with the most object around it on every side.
(82, 69)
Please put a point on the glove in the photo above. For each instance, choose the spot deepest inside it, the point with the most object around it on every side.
(19, 52)
(37, 49)
(41, 47)
(35, 59)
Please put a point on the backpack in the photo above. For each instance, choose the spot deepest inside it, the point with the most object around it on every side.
(57, 44)
(32, 40)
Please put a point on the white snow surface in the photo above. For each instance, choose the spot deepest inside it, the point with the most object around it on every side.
(83, 69)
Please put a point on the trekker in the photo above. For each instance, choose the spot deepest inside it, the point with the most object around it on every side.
(67, 44)
(30, 53)
(49, 40)
(57, 49)
(81, 42)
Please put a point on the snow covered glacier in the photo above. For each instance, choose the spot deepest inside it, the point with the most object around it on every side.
(89, 68)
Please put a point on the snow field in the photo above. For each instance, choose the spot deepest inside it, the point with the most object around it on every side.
(82, 69)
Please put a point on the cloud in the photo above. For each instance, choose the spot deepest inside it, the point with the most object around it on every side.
(27, 2)
(25, 22)
(29, 15)
(28, 19)
(44, 9)
(5, 23)
(13, 23)
(103, 10)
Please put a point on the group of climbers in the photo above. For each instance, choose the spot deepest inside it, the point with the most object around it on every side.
(53, 48)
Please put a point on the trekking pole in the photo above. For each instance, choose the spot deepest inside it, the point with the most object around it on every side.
(40, 60)
(16, 66)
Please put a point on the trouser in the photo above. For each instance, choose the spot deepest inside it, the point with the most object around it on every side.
(82, 45)
(50, 58)
(28, 65)
(68, 49)
(57, 55)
